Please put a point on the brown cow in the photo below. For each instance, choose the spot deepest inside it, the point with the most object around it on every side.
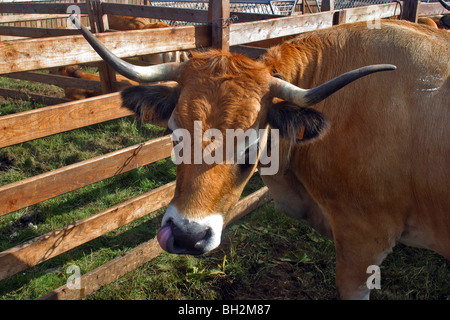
(78, 93)
(367, 167)
(427, 21)
(118, 22)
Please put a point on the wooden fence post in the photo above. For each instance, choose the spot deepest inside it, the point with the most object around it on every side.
(219, 19)
(410, 10)
(99, 23)
(327, 5)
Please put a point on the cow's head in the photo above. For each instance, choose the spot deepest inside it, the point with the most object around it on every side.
(216, 94)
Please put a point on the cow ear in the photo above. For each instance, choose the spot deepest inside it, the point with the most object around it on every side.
(153, 104)
(296, 124)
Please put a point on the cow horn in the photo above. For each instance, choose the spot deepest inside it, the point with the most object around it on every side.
(308, 97)
(161, 72)
(446, 6)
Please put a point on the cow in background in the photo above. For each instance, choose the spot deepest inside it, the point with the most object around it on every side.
(78, 93)
(122, 23)
(439, 21)
(428, 22)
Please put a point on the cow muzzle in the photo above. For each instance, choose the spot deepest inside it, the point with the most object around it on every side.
(181, 235)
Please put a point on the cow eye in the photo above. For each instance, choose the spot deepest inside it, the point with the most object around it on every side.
(249, 157)
(175, 139)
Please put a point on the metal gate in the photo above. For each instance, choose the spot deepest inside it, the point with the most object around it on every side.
(275, 7)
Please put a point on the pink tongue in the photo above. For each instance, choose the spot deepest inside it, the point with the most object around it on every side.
(163, 236)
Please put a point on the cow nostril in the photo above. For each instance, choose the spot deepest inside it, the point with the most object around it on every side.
(191, 239)
(200, 245)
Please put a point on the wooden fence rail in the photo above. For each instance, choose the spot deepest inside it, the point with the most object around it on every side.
(49, 52)
(28, 96)
(49, 245)
(48, 185)
(32, 54)
(40, 8)
(146, 251)
(34, 32)
(57, 80)
(38, 123)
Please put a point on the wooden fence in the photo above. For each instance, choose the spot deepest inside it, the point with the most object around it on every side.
(20, 57)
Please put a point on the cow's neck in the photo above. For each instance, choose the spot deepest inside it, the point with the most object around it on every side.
(303, 64)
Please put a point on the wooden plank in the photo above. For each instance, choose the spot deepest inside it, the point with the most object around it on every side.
(219, 11)
(39, 188)
(431, 9)
(36, 32)
(327, 5)
(39, 8)
(27, 96)
(94, 13)
(310, 6)
(32, 54)
(11, 38)
(106, 72)
(369, 13)
(28, 17)
(241, 33)
(57, 80)
(107, 273)
(164, 13)
(49, 245)
(410, 10)
(34, 124)
(247, 16)
(64, 81)
(118, 267)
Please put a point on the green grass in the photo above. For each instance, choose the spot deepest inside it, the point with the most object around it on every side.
(265, 255)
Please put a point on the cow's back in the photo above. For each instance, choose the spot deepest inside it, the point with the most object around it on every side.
(384, 161)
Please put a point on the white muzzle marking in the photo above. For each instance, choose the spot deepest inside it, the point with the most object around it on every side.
(213, 224)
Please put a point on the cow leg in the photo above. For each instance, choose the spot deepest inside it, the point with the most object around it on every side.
(353, 272)
(357, 248)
